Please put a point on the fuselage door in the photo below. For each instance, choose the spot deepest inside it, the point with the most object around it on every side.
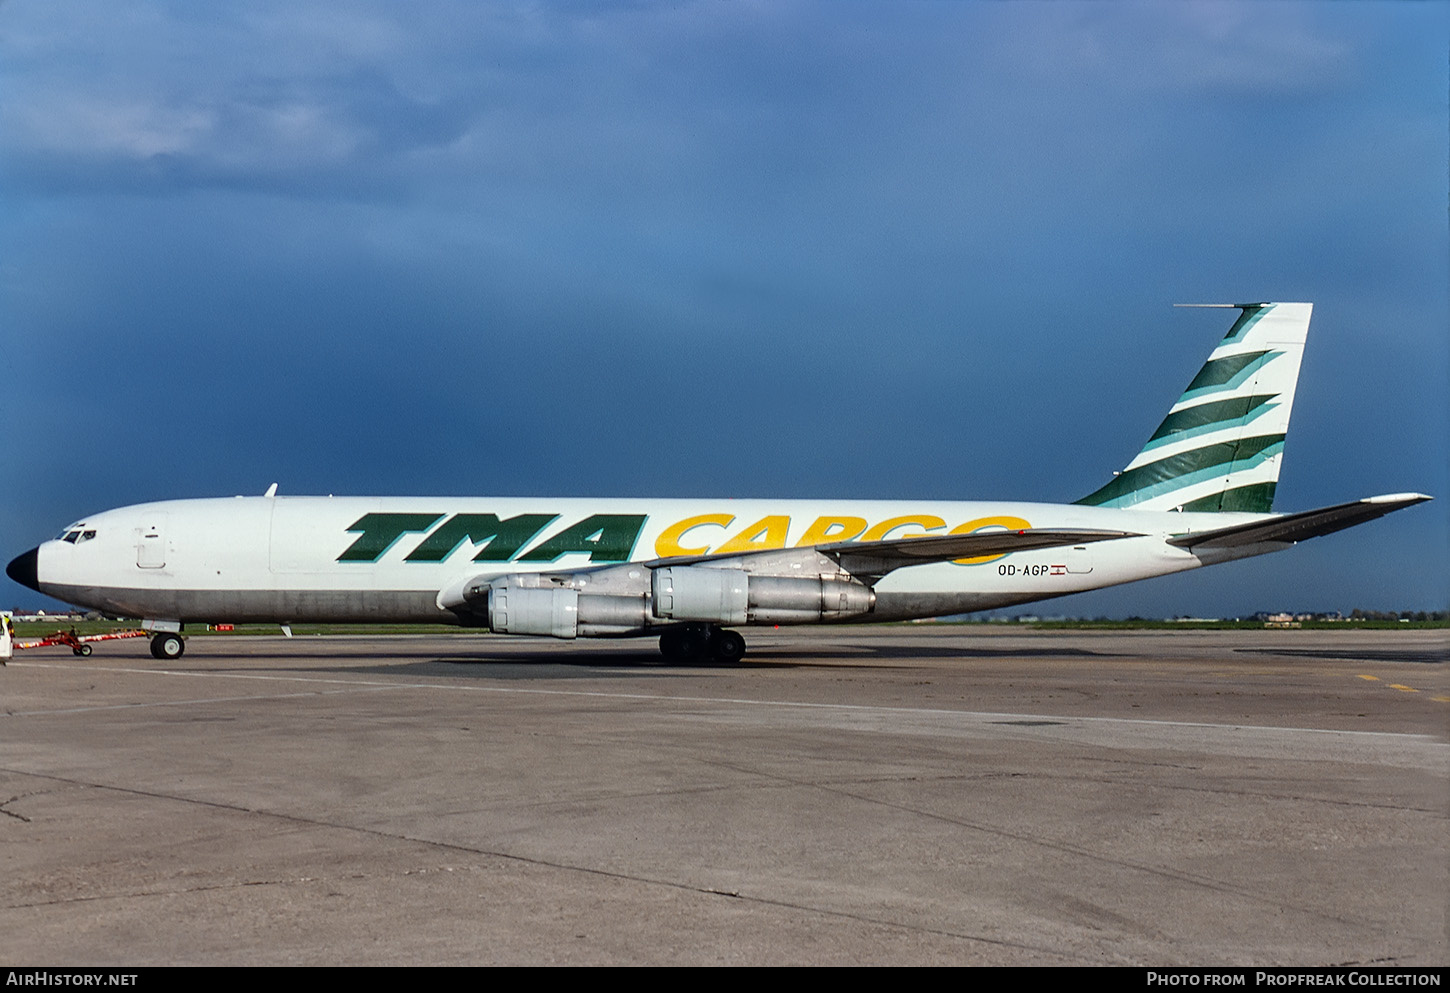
(151, 543)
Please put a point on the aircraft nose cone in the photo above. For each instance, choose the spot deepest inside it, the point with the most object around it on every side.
(23, 570)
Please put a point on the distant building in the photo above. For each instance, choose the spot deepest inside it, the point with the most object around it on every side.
(68, 617)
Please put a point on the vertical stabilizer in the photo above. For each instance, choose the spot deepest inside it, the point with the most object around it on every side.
(1222, 443)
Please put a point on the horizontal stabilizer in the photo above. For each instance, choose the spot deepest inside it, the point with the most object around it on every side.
(876, 558)
(1290, 528)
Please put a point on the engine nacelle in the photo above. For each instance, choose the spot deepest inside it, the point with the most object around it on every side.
(631, 599)
(732, 596)
(563, 613)
(512, 610)
(687, 593)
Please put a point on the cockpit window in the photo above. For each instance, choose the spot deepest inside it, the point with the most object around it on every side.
(70, 536)
(76, 535)
(87, 535)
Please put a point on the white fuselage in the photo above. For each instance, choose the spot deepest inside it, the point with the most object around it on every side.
(387, 559)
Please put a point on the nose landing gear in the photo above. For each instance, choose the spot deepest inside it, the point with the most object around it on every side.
(701, 643)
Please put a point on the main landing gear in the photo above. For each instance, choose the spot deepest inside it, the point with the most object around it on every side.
(167, 645)
(701, 643)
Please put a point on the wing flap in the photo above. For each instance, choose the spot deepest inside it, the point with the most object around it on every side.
(870, 560)
(1290, 528)
(876, 558)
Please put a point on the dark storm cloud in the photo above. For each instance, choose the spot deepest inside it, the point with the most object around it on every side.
(710, 248)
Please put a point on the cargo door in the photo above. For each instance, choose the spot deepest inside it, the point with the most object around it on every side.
(151, 543)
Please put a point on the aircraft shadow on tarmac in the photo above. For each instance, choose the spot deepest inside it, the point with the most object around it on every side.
(1422, 656)
(793, 655)
(519, 662)
(528, 664)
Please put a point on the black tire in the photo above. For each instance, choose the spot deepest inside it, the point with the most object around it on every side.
(695, 644)
(727, 647)
(82, 649)
(687, 644)
(167, 645)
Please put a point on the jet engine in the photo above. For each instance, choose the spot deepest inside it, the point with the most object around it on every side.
(631, 599)
(564, 613)
(733, 596)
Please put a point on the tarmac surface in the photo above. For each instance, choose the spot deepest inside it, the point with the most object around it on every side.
(913, 794)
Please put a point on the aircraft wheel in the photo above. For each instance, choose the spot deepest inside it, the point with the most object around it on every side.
(82, 649)
(670, 646)
(167, 646)
(727, 646)
(685, 644)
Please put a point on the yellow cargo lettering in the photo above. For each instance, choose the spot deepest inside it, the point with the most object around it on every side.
(880, 532)
(832, 529)
(981, 524)
(768, 532)
(668, 544)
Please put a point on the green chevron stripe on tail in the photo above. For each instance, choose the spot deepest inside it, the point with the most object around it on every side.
(1221, 446)
(1207, 417)
(1252, 499)
(1249, 316)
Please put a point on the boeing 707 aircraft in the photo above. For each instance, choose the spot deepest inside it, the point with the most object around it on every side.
(1200, 492)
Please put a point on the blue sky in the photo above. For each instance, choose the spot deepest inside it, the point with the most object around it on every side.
(720, 249)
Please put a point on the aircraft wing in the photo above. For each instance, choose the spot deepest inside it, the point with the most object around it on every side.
(877, 558)
(1290, 528)
(870, 560)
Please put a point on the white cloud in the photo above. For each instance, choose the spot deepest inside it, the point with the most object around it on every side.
(127, 127)
(1264, 49)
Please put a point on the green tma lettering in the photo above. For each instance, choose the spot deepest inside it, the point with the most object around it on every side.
(501, 540)
(606, 537)
(380, 531)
